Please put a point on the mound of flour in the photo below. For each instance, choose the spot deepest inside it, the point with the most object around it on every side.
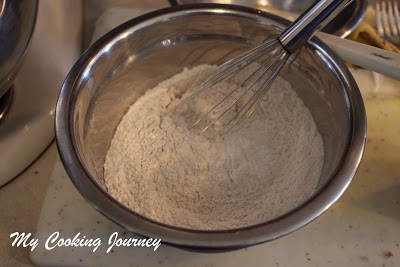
(173, 175)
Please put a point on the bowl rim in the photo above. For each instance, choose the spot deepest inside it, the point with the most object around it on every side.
(359, 8)
(201, 239)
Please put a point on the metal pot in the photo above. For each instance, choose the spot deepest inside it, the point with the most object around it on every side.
(17, 21)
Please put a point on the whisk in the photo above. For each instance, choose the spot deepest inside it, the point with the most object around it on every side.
(255, 71)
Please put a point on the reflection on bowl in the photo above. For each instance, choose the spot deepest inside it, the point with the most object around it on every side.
(17, 21)
(341, 26)
(154, 47)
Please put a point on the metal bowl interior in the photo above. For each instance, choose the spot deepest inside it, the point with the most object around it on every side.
(17, 21)
(149, 49)
(342, 25)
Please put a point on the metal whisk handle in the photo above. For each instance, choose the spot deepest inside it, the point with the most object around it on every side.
(316, 17)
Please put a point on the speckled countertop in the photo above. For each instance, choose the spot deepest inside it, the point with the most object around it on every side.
(361, 229)
(20, 204)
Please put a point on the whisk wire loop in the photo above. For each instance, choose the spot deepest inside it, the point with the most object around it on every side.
(251, 87)
(263, 66)
(251, 103)
(237, 63)
(254, 71)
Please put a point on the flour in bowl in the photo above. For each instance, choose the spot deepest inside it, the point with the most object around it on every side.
(171, 174)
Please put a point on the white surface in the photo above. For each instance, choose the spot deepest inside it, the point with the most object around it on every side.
(21, 201)
(361, 229)
(28, 128)
(373, 84)
(357, 231)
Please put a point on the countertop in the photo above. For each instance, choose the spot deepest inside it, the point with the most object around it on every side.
(366, 218)
(22, 198)
(20, 204)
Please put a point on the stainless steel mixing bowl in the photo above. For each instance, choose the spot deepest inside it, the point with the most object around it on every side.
(149, 49)
(17, 21)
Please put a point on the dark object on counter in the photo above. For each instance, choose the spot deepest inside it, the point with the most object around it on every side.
(17, 21)
(173, 2)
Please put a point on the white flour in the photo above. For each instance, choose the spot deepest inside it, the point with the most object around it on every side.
(248, 176)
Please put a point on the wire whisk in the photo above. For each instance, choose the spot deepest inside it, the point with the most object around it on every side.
(253, 72)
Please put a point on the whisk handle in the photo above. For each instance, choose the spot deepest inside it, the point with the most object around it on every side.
(311, 21)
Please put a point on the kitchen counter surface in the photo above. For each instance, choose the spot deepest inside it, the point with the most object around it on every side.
(366, 219)
(367, 216)
(20, 204)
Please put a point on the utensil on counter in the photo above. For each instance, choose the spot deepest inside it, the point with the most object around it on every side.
(388, 20)
(366, 56)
